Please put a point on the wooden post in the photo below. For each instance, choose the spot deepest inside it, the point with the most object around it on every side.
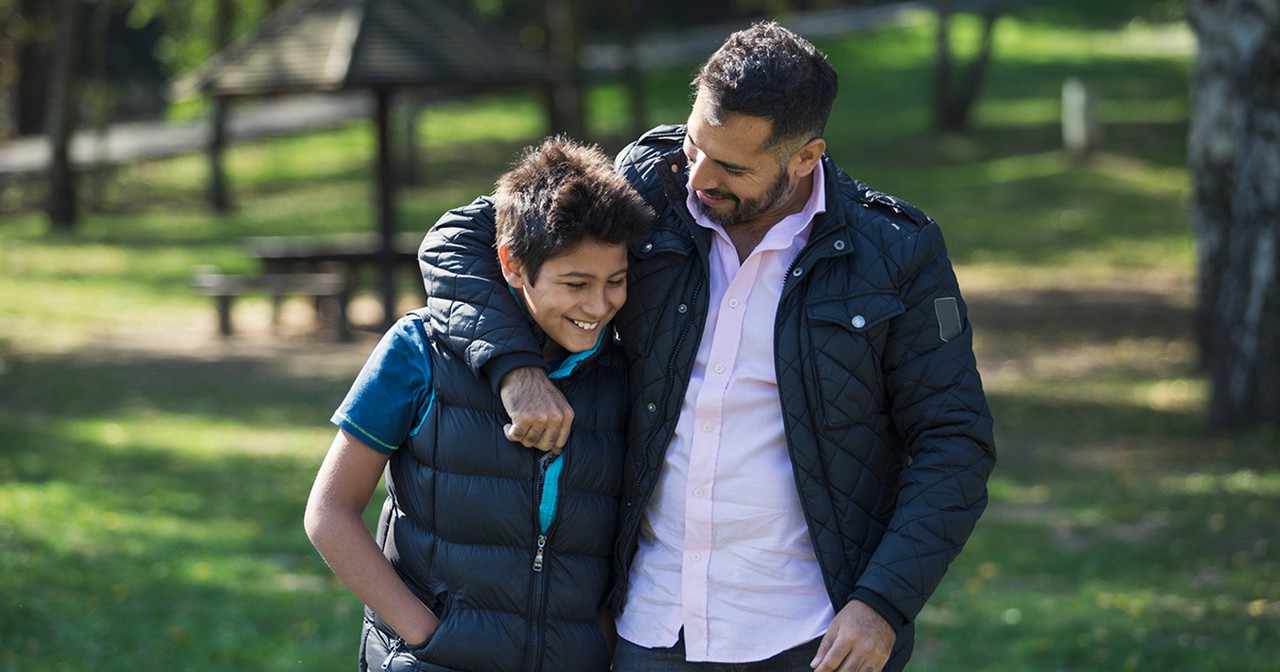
(386, 206)
(1081, 124)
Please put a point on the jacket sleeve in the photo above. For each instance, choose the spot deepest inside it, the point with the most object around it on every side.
(941, 413)
(468, 301)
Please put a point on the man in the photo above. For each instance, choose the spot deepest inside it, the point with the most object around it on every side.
(809, 441)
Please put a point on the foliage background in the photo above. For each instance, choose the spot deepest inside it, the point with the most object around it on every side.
(152, 476)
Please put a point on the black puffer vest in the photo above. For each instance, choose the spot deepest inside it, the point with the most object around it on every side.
(461, 526)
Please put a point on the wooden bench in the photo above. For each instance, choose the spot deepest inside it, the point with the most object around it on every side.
(331, 292)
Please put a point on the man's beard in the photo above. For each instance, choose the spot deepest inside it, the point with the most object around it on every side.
(744, 211)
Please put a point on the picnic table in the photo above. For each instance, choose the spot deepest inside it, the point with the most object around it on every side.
(325, 267)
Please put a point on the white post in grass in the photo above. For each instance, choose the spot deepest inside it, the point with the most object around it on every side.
(1081, 123)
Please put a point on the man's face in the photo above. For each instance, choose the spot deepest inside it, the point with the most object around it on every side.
(736, 178)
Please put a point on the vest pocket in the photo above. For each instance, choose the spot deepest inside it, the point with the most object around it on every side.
(384, 649)
(845, 345)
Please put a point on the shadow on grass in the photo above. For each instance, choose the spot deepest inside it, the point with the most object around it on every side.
(150, 515)
(248, 390)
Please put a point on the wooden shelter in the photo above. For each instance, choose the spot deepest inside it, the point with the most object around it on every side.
(380, 46)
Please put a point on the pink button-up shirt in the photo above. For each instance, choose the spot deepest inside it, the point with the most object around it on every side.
(724, 549)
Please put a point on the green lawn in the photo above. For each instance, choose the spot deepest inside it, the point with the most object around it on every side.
(152, 477)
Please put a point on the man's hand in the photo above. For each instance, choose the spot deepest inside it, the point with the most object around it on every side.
(540, 415)
(859, 640)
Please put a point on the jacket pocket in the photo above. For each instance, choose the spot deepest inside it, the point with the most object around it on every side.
(846, 343)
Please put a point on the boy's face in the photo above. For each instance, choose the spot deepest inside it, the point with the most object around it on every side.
(575, 294)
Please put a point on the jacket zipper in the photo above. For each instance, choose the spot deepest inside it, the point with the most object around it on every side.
(809, 246)
(537, 611)
(786, 421)
(396, 644)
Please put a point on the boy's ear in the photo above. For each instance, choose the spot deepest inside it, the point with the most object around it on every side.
(512, 269)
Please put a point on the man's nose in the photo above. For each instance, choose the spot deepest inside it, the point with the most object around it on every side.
(701, 175)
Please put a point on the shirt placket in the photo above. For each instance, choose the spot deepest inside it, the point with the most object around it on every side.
(705, 451)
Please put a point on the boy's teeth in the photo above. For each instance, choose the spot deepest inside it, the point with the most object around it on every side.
(589, 326)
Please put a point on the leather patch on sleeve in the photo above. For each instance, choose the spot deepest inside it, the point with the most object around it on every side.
(948, 311)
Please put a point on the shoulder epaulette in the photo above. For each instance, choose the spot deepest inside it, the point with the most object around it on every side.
(894, 204)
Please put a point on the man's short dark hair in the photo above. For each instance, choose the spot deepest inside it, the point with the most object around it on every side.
(770, 72)
(562, 193)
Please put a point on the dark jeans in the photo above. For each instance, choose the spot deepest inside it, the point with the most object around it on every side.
(632, 658)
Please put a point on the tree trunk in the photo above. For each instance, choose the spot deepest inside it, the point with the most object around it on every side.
(61, 207)
(626, 14)
(1239, 237)
(568, 113)
(30, 93)
(219, 191)
(1211, 157)
(100, 101)
(386, 206)
(953, 98)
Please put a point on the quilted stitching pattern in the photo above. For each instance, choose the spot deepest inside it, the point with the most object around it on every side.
(888, 426)
(468, 303)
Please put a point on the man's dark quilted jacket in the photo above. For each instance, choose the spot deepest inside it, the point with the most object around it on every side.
(887, 425)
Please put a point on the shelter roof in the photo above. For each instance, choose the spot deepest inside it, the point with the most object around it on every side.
(327, 45)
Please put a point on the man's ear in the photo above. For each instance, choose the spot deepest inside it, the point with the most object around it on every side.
(806, 159)
(512, 269)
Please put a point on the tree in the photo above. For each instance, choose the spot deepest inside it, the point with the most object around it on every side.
(1234, 154)
(955, 90)
(219, 193)
(568, 114)
(62, 208)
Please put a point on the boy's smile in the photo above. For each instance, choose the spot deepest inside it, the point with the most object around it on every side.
(575, 293)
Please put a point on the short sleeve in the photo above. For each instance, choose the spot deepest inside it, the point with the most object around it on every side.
(391, 395)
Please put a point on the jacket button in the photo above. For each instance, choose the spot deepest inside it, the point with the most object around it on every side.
(652, 407)
(798, 272)
(648, 247)
(839, 245)
(683, 308)
(858, 321)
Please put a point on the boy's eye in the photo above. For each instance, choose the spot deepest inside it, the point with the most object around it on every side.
(576, 285)
(618, 283)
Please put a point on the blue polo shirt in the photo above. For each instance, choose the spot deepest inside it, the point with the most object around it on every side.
(392, 394)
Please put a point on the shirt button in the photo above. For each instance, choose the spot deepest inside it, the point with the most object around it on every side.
(697, 492)
(858, 321)
(719, 368)
(696, 557)
(733, 303)
(706, 426)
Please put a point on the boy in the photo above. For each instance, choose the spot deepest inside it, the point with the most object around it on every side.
(490, 555)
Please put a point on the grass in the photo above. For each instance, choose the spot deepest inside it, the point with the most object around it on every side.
(152, 476)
